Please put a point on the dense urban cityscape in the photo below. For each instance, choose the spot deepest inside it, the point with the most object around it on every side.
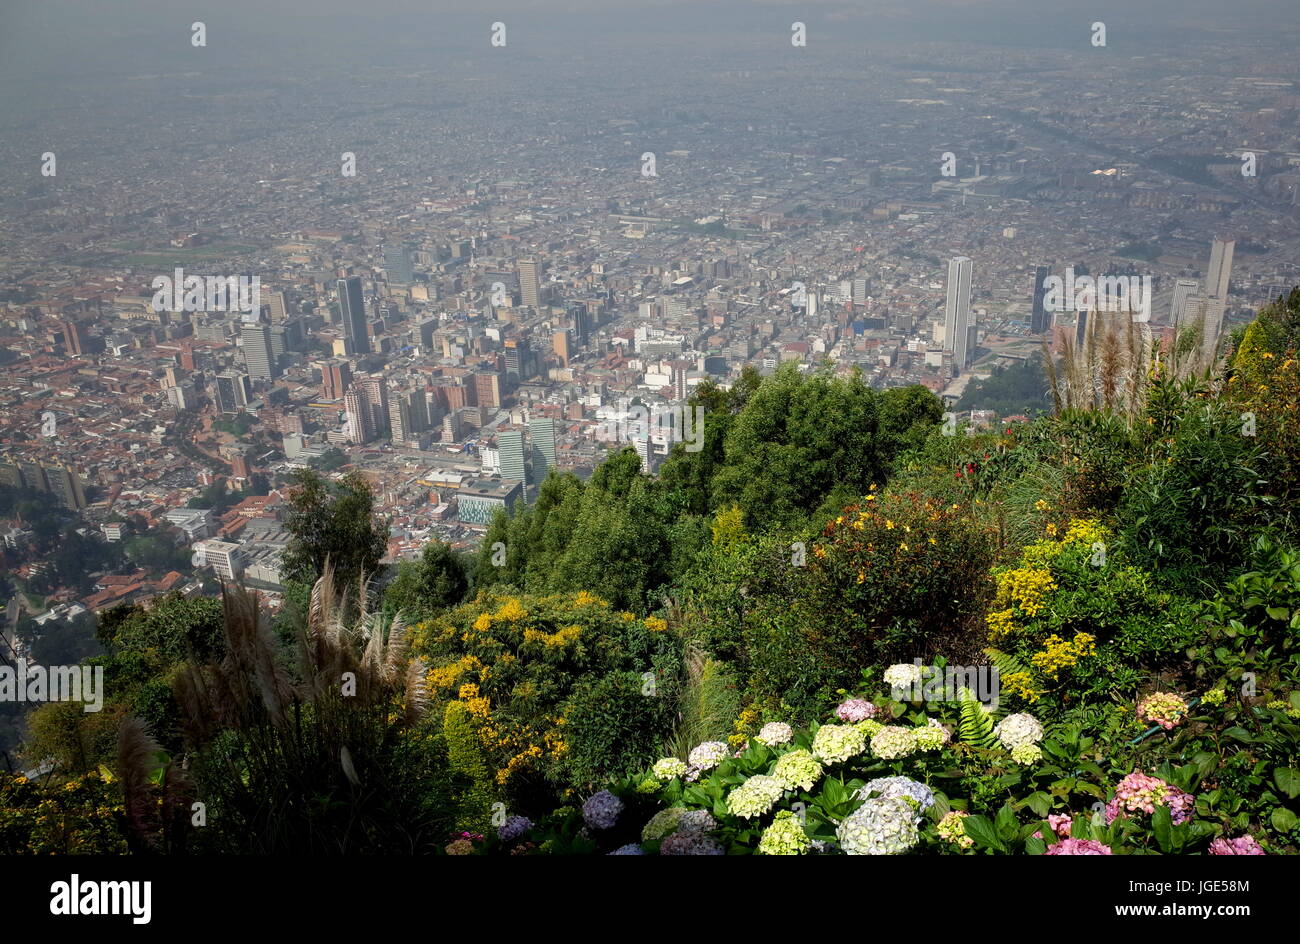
(451, 255)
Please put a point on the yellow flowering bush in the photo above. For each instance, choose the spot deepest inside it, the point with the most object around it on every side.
(1073, 618)
(516, 664)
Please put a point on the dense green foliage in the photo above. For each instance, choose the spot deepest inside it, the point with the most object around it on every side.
(733, 656)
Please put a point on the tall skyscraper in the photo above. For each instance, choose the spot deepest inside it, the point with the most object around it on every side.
(74, 338)
(376, 393)
(579, 321)
(276, 306)
(1216, 282)
(510, 444)
(542, 433)
(1216, 290)
(361, 428)
(258, 356)
(352, 309)
(409, 415)
(66, 484)
(530, 282)
(561, 345)
(487, 389)
(231, 392)
(1040, 319)
(397, 263)
(956, 316)
(1184, 289)
(518, 359)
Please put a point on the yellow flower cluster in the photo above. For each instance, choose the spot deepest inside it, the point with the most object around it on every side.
(744, 725)
(1058, 654)
(1022, 684)
(1025, 588)
(556, 640)
(1082, 532)
(589, 599)
(1001, 624)
(478, 706)
(655, 624)
(511, 611)
(446, 676)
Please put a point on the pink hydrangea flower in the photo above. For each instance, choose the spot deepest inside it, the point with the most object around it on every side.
(1078, 847)
(1141, 793)
(1060, 823)
(1163, 708)
(1242, 845)
(855, 710)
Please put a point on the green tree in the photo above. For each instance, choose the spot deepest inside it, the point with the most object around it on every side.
(333, 522)
(438, 579)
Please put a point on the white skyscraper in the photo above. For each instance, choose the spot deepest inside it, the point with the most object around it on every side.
(1216, 282)
(1216, 290)
(956, 315)
(1183, 290)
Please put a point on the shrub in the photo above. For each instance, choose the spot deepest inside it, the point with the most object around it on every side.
(516, 664)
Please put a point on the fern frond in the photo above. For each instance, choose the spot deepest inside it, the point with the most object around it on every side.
(976, 725)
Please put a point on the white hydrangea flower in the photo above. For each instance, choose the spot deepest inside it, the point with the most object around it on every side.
(1015, 730)
(668, 768)
(755, 796)
(902, 675)
(892, 742)
(775, 732)
(709, 754)
(883, 826)
(836, 743)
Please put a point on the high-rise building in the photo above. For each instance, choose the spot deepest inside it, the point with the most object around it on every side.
(957, 320)
(276, 306)
(680, 372)
(1040, 319)
(74, 338)
(518, 359)
(336, 377)
(530, 282)
(352, 310)
(510, 444)
(361, 428)
(231, 392)
(397, 263)
(542, 433)
(645, 452)
(579, 321)
(487, 389)
(1184, 289)
(258, 356)
(66, 484)
(376, 394)
(560, 344)
(1216, 281)
(1216, 288)
(410, 415)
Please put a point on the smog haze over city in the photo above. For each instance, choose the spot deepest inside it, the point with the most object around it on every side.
(455, 262)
